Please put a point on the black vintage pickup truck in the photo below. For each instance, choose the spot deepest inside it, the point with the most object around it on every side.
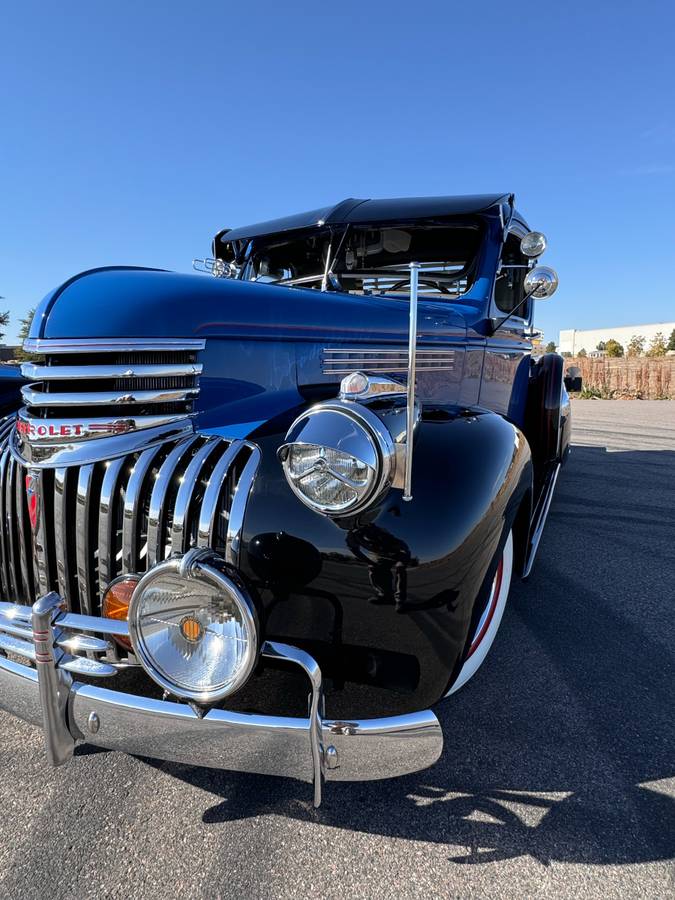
(267, 520)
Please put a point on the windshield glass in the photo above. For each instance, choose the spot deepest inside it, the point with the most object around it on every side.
(371, 260)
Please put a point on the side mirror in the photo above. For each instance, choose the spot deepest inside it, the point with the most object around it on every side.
(572, 379)
(533, 244)
(541, 282)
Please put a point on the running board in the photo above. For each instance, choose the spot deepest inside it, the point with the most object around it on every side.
(544, 506)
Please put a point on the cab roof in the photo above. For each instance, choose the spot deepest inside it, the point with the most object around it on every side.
(354, 211)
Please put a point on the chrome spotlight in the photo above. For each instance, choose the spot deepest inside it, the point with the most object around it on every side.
(193, 629)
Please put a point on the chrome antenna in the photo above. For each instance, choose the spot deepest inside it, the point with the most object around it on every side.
(412, 350)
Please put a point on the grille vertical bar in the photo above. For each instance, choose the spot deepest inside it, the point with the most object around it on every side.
(241, 491)
(61, 533)
(207, 516)
(4, 542)
(10, 493)
(156, 516)
(180, 534)
(82, 538)
(107, 523)
(133, 508)
(40, 535)
(108, 518)
(24, 539)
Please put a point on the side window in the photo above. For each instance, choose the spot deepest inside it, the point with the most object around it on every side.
(509, 290)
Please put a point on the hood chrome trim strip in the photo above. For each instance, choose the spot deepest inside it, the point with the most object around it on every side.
(93, 373)
(109, 345)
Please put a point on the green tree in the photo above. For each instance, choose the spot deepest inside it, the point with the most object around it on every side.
(550, 347)
(4, 321)
(23, 334)
(636, 345)
(582, 353)
(601, 346)
(657, 346)
(613, 348)
(671, 340)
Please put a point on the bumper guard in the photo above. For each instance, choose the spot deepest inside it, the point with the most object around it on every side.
(58, 645)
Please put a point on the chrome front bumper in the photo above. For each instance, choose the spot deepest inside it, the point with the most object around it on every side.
(313, 749)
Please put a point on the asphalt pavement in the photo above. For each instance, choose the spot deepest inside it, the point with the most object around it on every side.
(558, 774)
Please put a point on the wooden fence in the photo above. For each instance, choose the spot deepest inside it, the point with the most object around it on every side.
(639, 378)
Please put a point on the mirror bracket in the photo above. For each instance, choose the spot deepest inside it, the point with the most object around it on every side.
(497, 322)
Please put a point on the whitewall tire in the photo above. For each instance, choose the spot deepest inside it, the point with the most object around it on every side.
(488, 625)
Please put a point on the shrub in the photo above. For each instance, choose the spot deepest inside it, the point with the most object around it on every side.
(636, 345)
(613, 348)
(657, 347)
(590, 393)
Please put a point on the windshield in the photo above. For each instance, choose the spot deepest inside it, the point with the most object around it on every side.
(371, 260)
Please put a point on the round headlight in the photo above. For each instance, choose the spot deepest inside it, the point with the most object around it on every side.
(533, 244)
(337, 457)
(193, 629)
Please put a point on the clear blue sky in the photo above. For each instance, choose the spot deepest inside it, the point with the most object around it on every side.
(131, 132)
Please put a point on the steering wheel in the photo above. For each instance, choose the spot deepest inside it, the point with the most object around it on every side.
(441, 287)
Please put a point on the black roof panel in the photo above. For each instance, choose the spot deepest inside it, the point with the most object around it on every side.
(355, 211)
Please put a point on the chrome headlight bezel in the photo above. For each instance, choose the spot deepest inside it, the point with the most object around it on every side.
(206, 566)
(347, 427)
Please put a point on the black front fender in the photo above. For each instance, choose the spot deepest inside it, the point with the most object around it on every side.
(386, 598)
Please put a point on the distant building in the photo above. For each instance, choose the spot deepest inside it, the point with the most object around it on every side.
(573, 340)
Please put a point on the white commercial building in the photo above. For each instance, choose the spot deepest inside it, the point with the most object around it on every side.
(572, 340)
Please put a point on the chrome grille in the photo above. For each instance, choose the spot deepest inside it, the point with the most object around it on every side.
(95, 522)
(112, 378)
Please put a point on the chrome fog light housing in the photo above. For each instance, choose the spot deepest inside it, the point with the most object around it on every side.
(194, 631)
(338, 457)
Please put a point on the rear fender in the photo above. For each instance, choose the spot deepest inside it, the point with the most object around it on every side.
(548, 421)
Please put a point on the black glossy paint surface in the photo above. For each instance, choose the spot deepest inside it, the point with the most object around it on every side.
(385, 599)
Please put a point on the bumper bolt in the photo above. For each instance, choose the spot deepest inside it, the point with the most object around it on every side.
(331, 758)
(93, 723)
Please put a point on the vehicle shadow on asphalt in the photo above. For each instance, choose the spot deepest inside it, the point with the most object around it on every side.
(548, 749)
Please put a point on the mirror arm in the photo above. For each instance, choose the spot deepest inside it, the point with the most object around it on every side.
(497, 323)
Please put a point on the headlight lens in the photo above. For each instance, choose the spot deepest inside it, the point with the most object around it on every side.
(194, 631)
(328, 478)
(533, 244)
(337, 457)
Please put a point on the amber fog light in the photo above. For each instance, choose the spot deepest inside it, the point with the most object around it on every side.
(116, 600)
